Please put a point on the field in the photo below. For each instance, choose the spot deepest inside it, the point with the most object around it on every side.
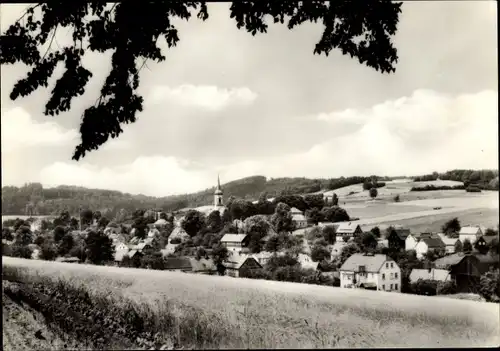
(416, 210)
(268, 314)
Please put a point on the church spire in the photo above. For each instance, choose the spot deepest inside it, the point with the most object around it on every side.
(218, 182)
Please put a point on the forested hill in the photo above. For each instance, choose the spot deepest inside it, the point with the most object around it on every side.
(33, 198)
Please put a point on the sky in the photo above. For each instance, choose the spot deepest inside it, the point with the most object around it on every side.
(227, 102)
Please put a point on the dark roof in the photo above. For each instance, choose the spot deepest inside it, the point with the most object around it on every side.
(401, 233)
(173, 263)
(433, 243)
(450, 260)
(489, 238)
(487, 258)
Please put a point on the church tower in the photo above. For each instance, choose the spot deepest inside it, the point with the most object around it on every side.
(218, 195)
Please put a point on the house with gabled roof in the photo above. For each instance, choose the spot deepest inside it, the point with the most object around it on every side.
(472, 233)
(349, 229)
(427, 243)
(466, 269)
(235, 242)
(370, 271)
(450, 243)
(237, 262)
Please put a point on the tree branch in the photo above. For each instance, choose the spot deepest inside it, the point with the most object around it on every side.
(51, 40)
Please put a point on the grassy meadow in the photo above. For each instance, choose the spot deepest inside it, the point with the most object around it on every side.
(243, 313)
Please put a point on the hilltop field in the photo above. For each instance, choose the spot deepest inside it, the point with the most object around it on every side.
(242, 313)
(415, 210)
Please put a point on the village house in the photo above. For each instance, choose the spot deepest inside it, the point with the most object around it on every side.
(412, 239)
(472, 233)
(397, 238)
(466, 269)
(371, 271)
(298, 218)
(235, 242)
(237, 262)
(450, 243)
(262, 257)
(342, 229)
(179, 233)
(427, 243)
(441, 275)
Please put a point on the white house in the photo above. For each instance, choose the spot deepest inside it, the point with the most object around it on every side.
(412, 240)
(427, 243)
(298, 218)
(235, 242)
(470, 232)
(370, 271)
(342, 229)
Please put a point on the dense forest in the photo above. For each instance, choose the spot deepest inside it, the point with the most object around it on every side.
(34, 199)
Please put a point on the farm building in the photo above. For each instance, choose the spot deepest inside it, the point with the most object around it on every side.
(119, 255)
(441, 275)
(427, 243)
(397, 238)
(237, 262)
(262, 257)
(466, 269)
(235, 242)
(470, 232)
(179, 233)
(370, 271)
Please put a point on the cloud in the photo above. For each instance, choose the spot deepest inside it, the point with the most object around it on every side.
(20, 131)
(410, 135)
(203, 96)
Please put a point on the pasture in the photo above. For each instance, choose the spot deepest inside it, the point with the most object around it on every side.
(269, 314)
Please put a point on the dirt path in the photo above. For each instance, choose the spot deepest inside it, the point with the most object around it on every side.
(25, 329)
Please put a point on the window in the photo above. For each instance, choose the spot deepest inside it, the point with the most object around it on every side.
(383, 275)
(386, 265)
(396, 276)
(396, 286)
(392, 265)
(383, 287)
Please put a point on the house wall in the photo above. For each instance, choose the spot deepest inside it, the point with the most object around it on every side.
(410, 243)
(472, 237)
(450, 249)
(389, 275)
(421, 249)
(300, 224)
(346, 279)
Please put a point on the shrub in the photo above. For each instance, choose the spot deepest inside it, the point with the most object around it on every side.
(320, 253)
(446, 288)
(489, 286)
(473, 189)
(21, 251)
(425, 287)
(396, 198)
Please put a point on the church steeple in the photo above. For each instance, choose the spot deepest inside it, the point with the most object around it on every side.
(218, 195)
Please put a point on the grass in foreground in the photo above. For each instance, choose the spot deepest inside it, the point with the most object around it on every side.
(224, 312)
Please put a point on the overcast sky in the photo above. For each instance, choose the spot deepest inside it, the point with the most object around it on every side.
(224, 101)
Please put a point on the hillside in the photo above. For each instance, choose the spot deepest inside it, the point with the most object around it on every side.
(35, 199)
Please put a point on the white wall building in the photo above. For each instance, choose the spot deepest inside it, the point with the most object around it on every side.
(369, 271)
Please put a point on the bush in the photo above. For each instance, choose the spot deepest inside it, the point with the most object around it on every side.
(48, 251)
(473, 189)
(21, 251)
(425, 287)
(446, 288)
(396, 198)
(320, 253)
(489, 286)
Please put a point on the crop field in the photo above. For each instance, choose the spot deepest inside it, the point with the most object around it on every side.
(269, 314)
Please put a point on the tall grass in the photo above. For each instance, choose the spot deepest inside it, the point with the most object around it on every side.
(222, 312)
